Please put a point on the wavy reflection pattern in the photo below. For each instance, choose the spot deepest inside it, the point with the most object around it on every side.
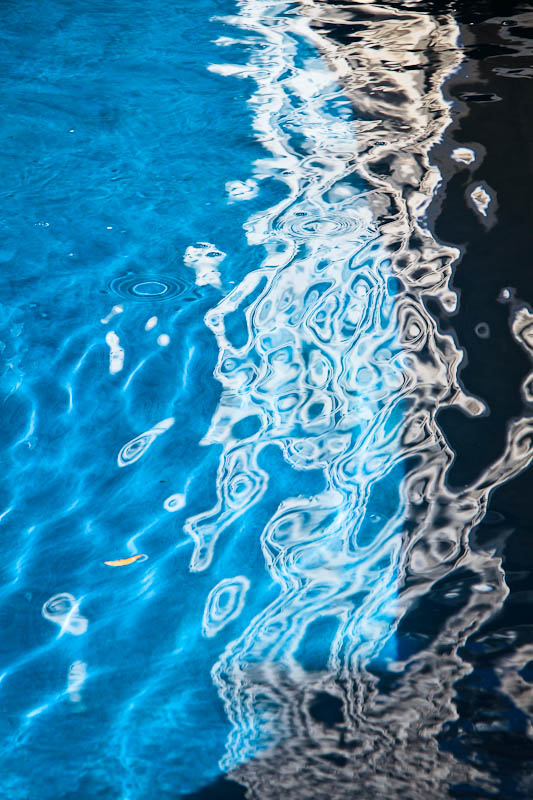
(323, 369)
(345, 369)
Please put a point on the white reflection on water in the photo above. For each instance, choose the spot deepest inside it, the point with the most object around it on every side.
(323, 369)
(137, 447)
(346, 371)
(63, 609)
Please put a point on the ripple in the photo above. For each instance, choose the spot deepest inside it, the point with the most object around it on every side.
(148, 288)
(482, 330)
(334, 224)
(135, 448)
(224, 604)
(174, 502)
(62, 609)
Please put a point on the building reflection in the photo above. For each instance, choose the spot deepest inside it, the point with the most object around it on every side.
(352, 256)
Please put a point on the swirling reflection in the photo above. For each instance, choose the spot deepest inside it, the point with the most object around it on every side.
(224, 604)
(345, 369)
(137, 447)
(63, 610)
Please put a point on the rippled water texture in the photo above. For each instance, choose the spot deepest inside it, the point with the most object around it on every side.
(256, 408)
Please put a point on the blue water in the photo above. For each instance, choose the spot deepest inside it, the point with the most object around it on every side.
(115, 155)
(142, 206)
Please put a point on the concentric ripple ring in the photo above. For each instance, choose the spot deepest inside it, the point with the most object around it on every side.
(334, 224)
(147, 287)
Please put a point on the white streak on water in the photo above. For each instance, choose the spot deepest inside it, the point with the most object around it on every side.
(116, 353)
(133, 373)
(5, 513)
(224, 604)
(63, 610)
(77, 675)
(137, 447)
(36, 711)
(114, 311)
(186, 367)
(84, 356)
(69, 390)
(31, 429)
(204, 258)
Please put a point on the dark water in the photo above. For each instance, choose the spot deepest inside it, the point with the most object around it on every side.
(267, 348)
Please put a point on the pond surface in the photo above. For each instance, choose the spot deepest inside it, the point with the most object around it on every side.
(266, 344)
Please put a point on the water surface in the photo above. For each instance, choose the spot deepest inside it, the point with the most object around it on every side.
(265, 437)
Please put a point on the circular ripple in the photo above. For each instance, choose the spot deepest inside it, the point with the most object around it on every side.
(304, 225)
(132, 451)
(224, 604)
(63, 610)
(151, 288)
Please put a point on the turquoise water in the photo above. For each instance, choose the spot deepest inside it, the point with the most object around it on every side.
(200, 368)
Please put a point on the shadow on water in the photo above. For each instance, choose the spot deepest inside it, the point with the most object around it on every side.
(221, 789)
